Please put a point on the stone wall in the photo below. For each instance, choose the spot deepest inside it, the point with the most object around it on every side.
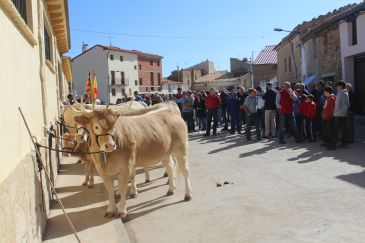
(329, 53)
(284, 56)
(264, 72)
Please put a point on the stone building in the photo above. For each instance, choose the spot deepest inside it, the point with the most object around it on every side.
(288, 58)
(189, 75)
(311, 51)
(35, 77)
(321, 47)
(265, 66)
(239, 67)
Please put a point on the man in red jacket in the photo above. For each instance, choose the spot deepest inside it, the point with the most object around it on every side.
(309, 113)
(212, 102)
(327, 116)
(285, 99)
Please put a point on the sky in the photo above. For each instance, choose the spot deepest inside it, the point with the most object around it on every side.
(190, 31)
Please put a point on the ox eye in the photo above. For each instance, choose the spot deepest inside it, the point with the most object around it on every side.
(96, 127)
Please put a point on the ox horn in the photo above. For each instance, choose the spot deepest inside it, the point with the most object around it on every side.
(83, 109)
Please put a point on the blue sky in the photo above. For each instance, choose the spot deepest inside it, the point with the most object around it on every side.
(206, 27)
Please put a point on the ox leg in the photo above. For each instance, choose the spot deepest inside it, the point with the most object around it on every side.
(112, 209)
(134, 190)
(86, 163)
(123, 187)
(183, 167)
(90, 183)
(169, 166)
(147, 175)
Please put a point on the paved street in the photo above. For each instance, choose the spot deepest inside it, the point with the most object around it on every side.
(279, 194)
(291, 193)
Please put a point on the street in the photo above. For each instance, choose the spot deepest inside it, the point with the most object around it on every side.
(276, 193)
(291, 193)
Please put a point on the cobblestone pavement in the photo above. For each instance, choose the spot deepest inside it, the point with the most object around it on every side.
(277, 193)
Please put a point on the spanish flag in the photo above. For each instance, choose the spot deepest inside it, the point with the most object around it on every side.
(95, 86)
(88, 86)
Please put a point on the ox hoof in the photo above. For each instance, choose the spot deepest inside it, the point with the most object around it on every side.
(147, 181)
(168, 182)
(165, 174)
(187, 198)
(170, 193)
(110, 214)
(122, 215)
(90, 186)
(133, 196)
(84, 184)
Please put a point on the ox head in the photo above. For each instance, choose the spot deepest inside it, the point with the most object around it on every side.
(98, 126)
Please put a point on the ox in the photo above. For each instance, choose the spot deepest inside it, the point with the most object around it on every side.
(80, 149)
(135, 141)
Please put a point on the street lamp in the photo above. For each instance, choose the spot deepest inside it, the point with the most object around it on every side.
(292, 51)
(281, 30)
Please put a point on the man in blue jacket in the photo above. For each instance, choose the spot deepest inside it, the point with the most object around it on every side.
(233, 107)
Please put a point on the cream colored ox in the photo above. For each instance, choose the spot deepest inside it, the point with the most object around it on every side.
(135, 141)
(80, 149)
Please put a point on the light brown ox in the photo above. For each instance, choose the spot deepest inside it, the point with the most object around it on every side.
(136, 141)
(80, 148)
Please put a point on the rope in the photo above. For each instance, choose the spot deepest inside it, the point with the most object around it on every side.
(68, 151)
(48, 177)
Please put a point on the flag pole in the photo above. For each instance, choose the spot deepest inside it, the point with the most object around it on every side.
(92, 92)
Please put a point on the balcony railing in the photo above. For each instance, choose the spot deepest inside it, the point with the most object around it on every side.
(120, 82)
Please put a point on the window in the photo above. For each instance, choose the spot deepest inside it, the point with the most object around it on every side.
(152, 88)
(111, 57)
(159, 78)
(123, 91)
(158, 63)
(122, 78)
(151, 78)
(113, 92)
(289, 64)
(151, 62)
(135, 82)
(285, 65)
(21, 6)
(113, 77)
(130, 91)
(121, 58)
(47, 45)
(354, 31)
(146, 89)
(135, 67)
(140, 67)
(140, 81)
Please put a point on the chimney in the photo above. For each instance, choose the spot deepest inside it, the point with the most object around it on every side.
(84, 47)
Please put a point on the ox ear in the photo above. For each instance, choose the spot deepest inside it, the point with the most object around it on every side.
(82, 120)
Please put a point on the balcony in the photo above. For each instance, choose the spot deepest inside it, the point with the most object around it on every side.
(120, 82)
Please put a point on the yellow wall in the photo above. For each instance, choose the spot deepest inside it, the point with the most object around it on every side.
(21, 87)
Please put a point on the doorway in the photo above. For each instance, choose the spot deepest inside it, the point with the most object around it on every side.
(360, 84)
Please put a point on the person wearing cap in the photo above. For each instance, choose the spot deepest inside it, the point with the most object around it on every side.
(250, 106)
(187, 111)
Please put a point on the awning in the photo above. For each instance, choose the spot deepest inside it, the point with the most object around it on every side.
(310, 80)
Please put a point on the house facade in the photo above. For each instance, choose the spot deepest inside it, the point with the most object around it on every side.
(265, 66)
(149, 72)
(353, 54)
(35, 35)
(119, 71)
(289, 58)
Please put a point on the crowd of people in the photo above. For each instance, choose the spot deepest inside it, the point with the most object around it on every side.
(324, 112)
